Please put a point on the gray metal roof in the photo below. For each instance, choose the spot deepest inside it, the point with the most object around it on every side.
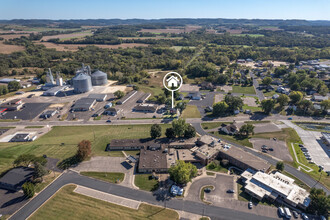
(81, 76)
(99, 73)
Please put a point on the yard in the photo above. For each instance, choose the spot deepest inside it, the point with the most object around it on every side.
(108, 177)
(61, 142)
(211, 125)
(252, 108)
(191, 112)
(145, 182)
(66, 204)
(243, 89)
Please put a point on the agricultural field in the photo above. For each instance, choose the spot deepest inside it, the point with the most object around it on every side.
(60, 206)
(63, 37)
(8, 49)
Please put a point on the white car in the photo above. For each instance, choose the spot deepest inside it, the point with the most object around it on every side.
(304, 216)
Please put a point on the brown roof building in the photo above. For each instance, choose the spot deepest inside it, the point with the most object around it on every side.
(153, 160)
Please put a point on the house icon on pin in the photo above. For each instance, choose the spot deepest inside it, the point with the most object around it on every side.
(172, 81)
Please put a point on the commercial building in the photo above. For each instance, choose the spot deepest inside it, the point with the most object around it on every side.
(15, 178)
(146, 108)
(54, 91)
(188, 156)
(7, 80)
(84, 104)
(275, 186)
(48, 114)
(143, 98)
(129, 144)
(126, 97)
(153, 159)
(13, 105)
(98, 97)
(112, 111)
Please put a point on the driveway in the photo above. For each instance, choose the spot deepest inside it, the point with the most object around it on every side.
(260, 94)
(109, 164)
(311, 140)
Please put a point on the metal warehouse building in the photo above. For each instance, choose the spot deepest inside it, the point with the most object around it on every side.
(84, 104)
(126, 97)
(98, 97)
(54, 91)
(144, 98)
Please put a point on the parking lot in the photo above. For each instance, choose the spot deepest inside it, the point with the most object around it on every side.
(11, 201)
(280, 149)
(28, 112)
(219, 194)
(203, 103)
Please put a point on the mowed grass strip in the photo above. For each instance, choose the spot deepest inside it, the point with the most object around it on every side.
(243, 89)
(191, 111)
(211, 125)
(61, 142)
(145, 182)
(106, 176)
(66, 204)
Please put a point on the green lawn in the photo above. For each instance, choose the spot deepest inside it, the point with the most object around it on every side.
(211, 125)
(234, 139)
(34, 126)
(243, 89)
(191, 112)
(108, 177)
(9, 120)
(252, 108)
(66, 204)
(256, 122)
(270, 93)
(216, 168)
(61, 142)
(145, 182)
(10, 94)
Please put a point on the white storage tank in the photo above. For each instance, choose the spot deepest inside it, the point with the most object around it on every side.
(99, 78)
(82, 83)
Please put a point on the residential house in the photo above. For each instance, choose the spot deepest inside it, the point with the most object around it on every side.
(230, 129)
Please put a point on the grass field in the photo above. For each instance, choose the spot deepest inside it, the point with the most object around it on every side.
(252, 108)
(61, 142)
(191, 112)
(211, 125)
(34, 126)
(7, 49)
(108, 177)
(144, 182)
(243, 89)
(67, 204)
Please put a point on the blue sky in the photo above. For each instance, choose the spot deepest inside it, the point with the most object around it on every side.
(149, 9)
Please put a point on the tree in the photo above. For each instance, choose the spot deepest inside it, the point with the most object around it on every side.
(283, 100)
(267, 81)
(179, 126)
(155, 131)
(233, 102)
(305, 105)
(39, 170)
(169, 133)
(267, 105)
(24, 159)
(320, 202)
(222, 79)
(280, 166)
(246, 129)
(182, 172)
(28, 189)
(84, 150)
(14, 86)
(190, 132)
(119, 94)
(296, 97)
(325, 104)
(181, 106)
(220, 108)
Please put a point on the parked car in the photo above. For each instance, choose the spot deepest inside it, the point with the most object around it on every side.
(304, 149)
(300, 145)
(207, 190)
(295, 214)
(289, 118)
(275, 139)
(250, 205)
(108, 121)
(230, 191)
(287, 212)
(263, 147)
(280, 211)
(264, 150)
(304, 216)
(270, 149)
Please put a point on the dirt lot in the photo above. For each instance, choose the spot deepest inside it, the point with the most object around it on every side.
(74, 47)
(7, 49)
(280, 149)
(250, 101)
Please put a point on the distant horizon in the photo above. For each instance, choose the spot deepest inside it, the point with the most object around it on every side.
(317, 10)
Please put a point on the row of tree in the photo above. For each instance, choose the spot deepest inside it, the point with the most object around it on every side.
(179, 129)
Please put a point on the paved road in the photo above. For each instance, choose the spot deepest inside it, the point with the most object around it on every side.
(260, 94)
(177, 204)
(293, 171)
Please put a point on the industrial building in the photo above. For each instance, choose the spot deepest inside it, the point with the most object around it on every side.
(99, 78)
(146, 108)
(84, 104)
(275, 185)
(53, 91)
(7, 80)
(15, 178)
(13, 105)
(98, 97)
(126, 97)
(48, 114)
(144, 98)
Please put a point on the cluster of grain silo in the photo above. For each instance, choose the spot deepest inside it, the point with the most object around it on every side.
(84, 80)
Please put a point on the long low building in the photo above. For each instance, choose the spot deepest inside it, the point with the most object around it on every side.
(54, 91)
(98, 97)
(143, 98)
(84, 104)
(126, 97)
(146, 108)
(273, 186)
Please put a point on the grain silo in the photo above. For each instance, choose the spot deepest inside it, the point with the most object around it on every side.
(82, 83)
(99, 78)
